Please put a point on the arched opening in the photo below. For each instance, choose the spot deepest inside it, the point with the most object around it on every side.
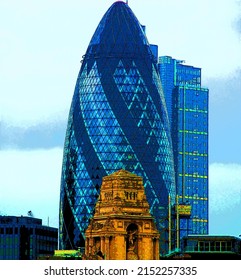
(132, 242)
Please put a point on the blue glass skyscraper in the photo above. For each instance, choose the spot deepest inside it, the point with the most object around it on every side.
(187, 104)
(118, 120)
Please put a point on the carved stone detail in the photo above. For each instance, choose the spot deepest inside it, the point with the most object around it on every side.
(119, 227)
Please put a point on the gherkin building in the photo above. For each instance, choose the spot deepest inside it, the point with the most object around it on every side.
(117, 120)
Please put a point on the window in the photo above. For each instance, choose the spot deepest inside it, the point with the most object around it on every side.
(212, 246)
(217, 246)
(9, 231)
(223, 246)
(201, 246)
(207, 246)
(229, 246)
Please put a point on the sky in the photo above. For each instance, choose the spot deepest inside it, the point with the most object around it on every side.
(41, 46)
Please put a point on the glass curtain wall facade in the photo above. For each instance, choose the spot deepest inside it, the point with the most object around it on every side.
(118, 120)
(187, 104)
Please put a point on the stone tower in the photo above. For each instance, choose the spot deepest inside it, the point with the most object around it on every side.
(122, 227)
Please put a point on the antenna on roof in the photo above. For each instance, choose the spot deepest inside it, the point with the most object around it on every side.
(30, 214)
(127, 2)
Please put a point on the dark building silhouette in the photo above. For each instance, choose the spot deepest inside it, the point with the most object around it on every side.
(25, 238)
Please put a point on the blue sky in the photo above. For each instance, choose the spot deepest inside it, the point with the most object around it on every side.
(41, 45)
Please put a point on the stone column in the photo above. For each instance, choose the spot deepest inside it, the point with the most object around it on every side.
(147, 244)
(139, 247)
(91, 244)
(87, 246)
(102, 244)
(155, 248)
(107, 247)
(158, 248)
(119, 247)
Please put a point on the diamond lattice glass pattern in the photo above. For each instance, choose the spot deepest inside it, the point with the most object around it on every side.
(118, 120)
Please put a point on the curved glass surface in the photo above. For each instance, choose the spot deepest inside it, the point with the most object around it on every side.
(118, 120)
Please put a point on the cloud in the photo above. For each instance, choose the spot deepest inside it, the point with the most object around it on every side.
(38, 66)
(45, 135)
(225, 198)
(224, 118)
(237, 25)
(42, 43)
(199, 32)
(225, 186)
(30, 180)
(237, 20)
(226, 88)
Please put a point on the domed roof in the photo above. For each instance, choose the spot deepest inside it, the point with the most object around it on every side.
(119, 33)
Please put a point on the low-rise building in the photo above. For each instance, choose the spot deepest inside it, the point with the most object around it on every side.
(208, 247)
(212, 247)
(25, 238)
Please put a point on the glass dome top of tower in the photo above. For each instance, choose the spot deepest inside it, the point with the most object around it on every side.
(119, 32)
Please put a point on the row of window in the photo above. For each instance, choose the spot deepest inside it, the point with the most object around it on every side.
(30, 231)
(209, 246)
